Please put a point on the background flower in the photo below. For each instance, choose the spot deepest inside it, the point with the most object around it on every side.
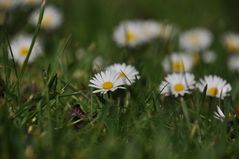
(52, 18)
(195, 40)
(177, 62)
(20, 46)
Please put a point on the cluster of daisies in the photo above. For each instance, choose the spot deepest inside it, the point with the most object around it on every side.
(20, 43)
(116, 76)
(194, 44)
(194, 47)
(198, 41)
(180, 84)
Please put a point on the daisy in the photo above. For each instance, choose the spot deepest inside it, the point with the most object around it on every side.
(195, 40)
(177, 62)
(231, 42)
(209, 57)
(8, 4)
(151, 30)
(52, 18)
(219, 114)
(106, 81)
(216, 86)
(233, 63)
(20, 46)
(125, 72)
(129, 33)
(177, 84)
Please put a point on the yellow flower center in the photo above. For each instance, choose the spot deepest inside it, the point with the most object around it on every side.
(130, 36)
(24, 51)
(212, 91)
(232, 46)
(107, 85)
(194, 38)
(179, 87)
(46, 21)
(177, 66)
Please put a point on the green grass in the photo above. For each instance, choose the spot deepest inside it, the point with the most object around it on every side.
(135, 123)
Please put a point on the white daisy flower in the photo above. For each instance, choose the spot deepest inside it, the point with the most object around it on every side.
(209, 57)
(52, 18)
(31, 2)
(20, 46)
(151, 30)
(195, 40)
(219, 114)
(216, 86)
(231, 42)
(178, 62)
(233, 63)
(125, 72)
(8, 4)
(134, 33)
(129, 33)
(177, 84)
(106, 81)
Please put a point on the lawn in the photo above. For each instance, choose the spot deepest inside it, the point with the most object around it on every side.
(174, 93)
